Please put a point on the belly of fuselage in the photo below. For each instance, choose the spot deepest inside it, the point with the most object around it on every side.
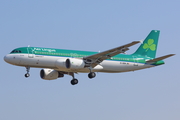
(40, 61)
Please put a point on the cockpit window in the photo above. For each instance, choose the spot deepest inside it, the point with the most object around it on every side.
(12, 51)
(16, 51)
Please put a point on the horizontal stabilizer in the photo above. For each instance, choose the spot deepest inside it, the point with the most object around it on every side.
(160, 58)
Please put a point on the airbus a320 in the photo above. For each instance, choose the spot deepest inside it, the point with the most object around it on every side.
(56, 63)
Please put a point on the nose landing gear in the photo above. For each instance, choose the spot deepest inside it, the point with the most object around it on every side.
(27, 74)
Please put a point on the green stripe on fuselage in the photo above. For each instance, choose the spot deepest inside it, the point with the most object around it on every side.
(75, 54)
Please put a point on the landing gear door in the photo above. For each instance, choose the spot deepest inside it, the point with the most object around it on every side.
(30, 52)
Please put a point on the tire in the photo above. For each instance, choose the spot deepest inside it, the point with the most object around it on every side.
(92, 75)
(74, 81)
(27, 75)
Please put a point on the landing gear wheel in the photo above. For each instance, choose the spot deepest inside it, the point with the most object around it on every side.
(92, 75)
(74, 81)
(27, 75)
(27, 69)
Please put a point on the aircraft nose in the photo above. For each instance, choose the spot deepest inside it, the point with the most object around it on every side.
(7, 58)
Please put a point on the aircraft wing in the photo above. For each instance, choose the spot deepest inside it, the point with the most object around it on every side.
(95, 59)
(159, 58)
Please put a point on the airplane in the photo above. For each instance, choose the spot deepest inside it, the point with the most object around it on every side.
(56, 63)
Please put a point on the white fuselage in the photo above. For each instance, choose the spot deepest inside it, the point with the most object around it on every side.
(40, 61)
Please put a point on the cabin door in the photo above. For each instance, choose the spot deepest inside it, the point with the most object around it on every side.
(30, 52)
(135, 61)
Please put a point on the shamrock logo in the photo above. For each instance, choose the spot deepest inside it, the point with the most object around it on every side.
(149, 45)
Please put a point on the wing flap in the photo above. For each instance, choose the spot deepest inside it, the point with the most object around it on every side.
(95, 59)
(113, 51)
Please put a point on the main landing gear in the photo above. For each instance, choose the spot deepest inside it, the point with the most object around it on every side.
(74, 81)
(27, 74)
(92, 75)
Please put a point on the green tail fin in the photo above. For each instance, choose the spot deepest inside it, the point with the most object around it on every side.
(149, 46)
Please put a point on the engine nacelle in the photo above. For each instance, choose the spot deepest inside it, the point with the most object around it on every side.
(74, 63)
(49, 74)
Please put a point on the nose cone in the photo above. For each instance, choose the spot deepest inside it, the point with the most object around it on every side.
(12, 59)
(7, 59)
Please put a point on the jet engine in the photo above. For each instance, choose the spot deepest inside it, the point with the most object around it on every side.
(74, 63)
(49, 74)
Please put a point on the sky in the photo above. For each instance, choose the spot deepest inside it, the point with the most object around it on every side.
(92, 25)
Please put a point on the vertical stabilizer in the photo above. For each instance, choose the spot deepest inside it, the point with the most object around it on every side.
(149, 46)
